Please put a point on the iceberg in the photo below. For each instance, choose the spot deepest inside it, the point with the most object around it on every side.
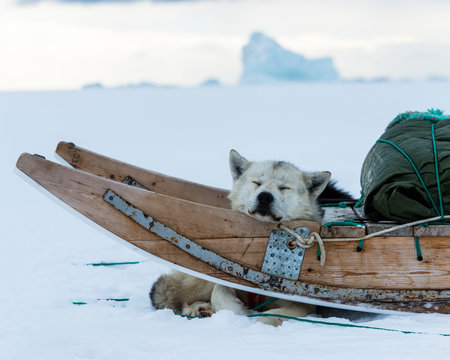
(210, 82)
(265, 61)
(92, 86)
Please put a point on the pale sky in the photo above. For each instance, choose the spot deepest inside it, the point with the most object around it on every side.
(53, 44)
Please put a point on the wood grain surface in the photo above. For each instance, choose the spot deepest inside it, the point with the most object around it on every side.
(112, 169)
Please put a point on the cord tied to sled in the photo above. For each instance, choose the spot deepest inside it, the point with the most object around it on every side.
(306, 243)
(315, 237)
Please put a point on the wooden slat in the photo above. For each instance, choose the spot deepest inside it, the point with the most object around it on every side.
(373, 228)
(246, 251)
(112, 169)
(432, 230)
(343, 232)
(384, 263)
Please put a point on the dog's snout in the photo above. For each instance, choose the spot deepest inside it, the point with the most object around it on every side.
(265, 198)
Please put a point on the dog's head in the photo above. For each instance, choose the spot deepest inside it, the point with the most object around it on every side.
(275, 190)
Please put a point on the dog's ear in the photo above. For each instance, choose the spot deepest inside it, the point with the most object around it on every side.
(238, 164)
(316, 182)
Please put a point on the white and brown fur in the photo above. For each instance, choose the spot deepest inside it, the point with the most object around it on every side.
(273, 191)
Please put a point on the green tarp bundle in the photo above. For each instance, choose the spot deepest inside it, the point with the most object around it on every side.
(406, 175)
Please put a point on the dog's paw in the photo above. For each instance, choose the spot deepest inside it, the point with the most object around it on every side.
(205, 310)
(198, 309)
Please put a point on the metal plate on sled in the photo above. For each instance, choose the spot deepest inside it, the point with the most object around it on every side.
(130, 181)
(279, 259)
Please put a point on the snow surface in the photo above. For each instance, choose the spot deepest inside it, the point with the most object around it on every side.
(185, 133)
(265, 61)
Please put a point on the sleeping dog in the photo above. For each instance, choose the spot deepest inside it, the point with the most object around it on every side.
(272, 191)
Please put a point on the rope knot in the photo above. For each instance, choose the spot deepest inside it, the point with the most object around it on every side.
(306, 243)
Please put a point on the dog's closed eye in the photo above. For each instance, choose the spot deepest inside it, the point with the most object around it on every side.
(257, 183)
(281, 188)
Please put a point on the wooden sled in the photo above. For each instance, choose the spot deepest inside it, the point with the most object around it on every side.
(192, 226)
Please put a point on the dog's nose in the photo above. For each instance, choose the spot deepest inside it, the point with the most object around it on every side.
(265, 198)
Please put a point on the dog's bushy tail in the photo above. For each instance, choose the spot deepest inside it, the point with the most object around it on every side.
(164, 294)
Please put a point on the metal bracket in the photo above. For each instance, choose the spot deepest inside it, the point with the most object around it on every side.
(130, 181)
(280, 260)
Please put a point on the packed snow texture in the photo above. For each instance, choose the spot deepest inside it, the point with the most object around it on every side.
(185, 133)
(265, 61)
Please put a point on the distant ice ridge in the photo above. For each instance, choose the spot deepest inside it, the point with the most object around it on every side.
(265, 61)
(140, 85)
(211, 82)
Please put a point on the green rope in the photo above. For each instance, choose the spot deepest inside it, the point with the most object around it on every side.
(341, 204)
(437, 170)
(434, 223)
(343, 223)
(267, 302)
(349, 222)
(418, 251)
(432, 115)
(109, 299)
(320, 322)
(191, 317)
(360, 202)
(360, 245)
(113, 263)
(415, 169)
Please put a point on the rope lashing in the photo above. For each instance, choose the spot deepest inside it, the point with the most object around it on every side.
(315, 237)
(415, 170)
(306, 243)
(436, 166)
(349, 222)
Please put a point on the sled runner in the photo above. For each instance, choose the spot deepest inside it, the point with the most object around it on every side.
(193, 227)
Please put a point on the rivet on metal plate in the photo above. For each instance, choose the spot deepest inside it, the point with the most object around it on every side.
(286, 259)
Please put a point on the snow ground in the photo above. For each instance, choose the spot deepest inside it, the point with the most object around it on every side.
(185, 133)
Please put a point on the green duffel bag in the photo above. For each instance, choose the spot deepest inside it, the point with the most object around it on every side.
(406, 174)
